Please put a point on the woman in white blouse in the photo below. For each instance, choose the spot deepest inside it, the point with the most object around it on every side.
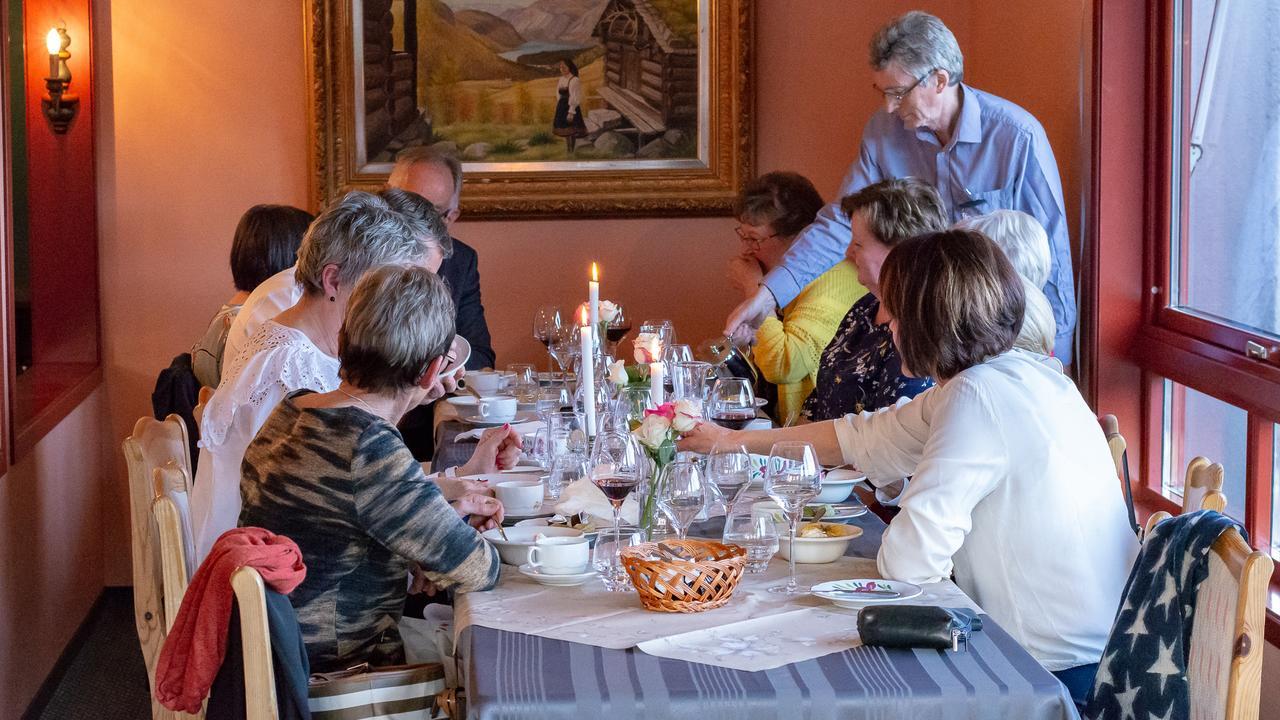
(298, 348)
(1012, 487)
(568, 122)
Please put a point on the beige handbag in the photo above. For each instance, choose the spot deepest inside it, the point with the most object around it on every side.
(362, 693)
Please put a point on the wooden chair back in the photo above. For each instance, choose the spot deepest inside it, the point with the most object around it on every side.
(259, 680)
(152, 444)
(1120, 458)
(172, 515)
(1203, 477)
(202, 400)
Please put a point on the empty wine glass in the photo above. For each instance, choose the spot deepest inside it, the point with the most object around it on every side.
(757, 534)
(524, 382)
(553, 397)
(732, 403)
(547, 322)
(615, 467)
(792, 480)
(682, 495)
(677, 353)
(564, 347)
(729, 469)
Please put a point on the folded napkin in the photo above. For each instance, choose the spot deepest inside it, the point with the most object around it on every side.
(582, 496)
(523, 428)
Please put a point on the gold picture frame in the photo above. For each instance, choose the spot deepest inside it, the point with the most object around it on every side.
(719, 146)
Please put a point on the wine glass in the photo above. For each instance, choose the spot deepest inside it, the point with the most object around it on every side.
(732, 403)
(552, 397)
(683, 494)
(616, 465)
(729, 469)
(792, 480)
(758, 534)
(617, 328)
(546, 324)
(676, 353)
(564, 347)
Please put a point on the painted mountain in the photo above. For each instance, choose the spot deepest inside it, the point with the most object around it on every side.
(562, 21)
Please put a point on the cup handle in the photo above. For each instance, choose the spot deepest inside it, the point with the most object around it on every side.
(485, 409)
(533, 550)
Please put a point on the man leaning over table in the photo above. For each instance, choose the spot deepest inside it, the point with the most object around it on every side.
(981, 152)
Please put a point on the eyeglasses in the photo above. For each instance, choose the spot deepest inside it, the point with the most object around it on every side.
(754, 242)
(896, 96)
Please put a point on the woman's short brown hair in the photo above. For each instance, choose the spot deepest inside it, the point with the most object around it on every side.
(956, 298)
(895, 210)
(398, 320)
(785, 201)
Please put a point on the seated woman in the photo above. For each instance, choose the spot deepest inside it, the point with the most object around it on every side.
(266, 242)
(1009, 465)
(860, 369)
(298, 348)
(772, 210)
(331, 471)
(1026, 244)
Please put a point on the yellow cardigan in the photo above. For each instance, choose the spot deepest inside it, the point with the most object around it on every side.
(787, 351)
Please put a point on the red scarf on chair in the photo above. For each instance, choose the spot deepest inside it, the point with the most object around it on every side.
(194, 649)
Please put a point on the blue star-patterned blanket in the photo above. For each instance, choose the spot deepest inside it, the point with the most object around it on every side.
(1143, 672)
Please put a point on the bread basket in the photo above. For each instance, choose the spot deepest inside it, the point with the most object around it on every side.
(702, 579)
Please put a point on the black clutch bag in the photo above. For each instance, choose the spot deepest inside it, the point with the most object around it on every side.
(917, 626)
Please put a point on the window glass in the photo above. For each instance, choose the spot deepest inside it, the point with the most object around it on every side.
(1227, 261)
(1197, 424)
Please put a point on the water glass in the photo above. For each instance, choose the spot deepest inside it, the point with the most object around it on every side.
(689, 380)
(606, 560)
(675, 353)
(566, 468)
(524, 382)
(758, 535)
(792, 480)
(682, 495)
(552, 398)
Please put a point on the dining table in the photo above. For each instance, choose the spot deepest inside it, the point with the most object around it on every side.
(511, 670)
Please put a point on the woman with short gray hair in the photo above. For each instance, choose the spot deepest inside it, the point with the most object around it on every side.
(330, 471)
(1025, 243)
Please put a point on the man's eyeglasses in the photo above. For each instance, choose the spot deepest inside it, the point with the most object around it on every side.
(754, 242)
(895, 95)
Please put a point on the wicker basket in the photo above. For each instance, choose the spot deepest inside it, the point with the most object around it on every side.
(685, 586)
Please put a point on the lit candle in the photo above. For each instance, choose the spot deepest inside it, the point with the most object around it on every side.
(593, 297)
(655, 383)
(588, 379)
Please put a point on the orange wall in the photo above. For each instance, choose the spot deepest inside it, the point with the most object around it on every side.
(202, 113)
(50, 549)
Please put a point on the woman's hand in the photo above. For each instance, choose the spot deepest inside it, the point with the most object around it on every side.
(703, 438)
(420, 582)
(498, 449)
(453, 488)
(744, 274)
(485, 512)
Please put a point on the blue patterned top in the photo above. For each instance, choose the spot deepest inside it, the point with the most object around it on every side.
(860, 369)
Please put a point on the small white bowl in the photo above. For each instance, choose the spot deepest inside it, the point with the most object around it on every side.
(834, 491)
(515, 549)
(818, 550)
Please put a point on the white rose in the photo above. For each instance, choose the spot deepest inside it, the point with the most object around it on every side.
(618, 372)
(648, 348)
(688, 415)
(608, 311)
(652, 431)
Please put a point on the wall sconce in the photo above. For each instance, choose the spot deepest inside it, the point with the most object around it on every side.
(60, 106)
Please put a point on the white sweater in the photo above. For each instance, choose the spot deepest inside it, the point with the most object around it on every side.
(1013, 489)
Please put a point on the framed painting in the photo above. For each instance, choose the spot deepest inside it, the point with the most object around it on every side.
(562, 108)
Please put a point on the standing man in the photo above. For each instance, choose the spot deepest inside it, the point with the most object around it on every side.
(980, 152)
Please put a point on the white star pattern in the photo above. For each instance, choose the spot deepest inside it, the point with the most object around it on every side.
(1170, 592)
(1164, 665)
(1137, 629)
(1126, 699)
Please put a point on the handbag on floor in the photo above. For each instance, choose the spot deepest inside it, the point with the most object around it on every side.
(364, 693)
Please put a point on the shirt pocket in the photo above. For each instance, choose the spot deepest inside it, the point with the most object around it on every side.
(973, 202)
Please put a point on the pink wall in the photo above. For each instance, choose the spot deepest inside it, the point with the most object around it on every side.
(51, 552)
(178, 166)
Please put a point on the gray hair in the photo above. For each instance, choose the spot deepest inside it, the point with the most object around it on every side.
(423, 218)
(399, 320)
(920, 43)
(1038, 326)
(359, 232)
(1022, 238)
(427, 155)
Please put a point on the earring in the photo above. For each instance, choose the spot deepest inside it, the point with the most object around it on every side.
(333, 298)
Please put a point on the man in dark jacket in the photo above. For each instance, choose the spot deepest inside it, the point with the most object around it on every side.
(436, 175)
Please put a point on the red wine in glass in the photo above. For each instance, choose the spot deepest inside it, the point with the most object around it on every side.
(616, 488)
(614, 334)
(733, 419)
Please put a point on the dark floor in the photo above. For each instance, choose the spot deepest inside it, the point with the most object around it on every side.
(101, 676)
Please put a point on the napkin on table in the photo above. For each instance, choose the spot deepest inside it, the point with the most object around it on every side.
(523, 428)
(582, 496)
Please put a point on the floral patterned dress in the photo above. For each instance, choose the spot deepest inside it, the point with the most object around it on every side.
(860, 369)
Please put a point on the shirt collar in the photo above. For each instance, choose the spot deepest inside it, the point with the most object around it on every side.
(969, 128)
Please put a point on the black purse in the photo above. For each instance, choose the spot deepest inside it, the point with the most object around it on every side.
(917, 626)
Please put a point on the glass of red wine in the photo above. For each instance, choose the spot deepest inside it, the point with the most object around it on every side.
(616, 465)
(732, 404)
(617, 328)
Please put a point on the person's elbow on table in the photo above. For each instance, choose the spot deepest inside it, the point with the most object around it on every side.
(904, 565)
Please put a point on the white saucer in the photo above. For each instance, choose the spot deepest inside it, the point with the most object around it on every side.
(544, 512)
(520, 417)
(831, 591)
(556, 580)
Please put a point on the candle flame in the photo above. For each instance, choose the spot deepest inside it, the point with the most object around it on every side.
(595, 274)
(586, 317)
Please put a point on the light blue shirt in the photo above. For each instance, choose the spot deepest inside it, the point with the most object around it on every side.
(998, 158)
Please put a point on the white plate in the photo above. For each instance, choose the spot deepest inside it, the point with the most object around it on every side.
(842, 593)
(512, 516)
(843, 511)
(546, 522)
(521, 417)
(556, 580)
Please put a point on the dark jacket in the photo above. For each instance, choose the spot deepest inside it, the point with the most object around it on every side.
(289, 655)
(462, 272)
(178, 391)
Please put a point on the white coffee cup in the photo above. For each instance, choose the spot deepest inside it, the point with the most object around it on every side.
(486, 382)
(496, 408)
(559, 555)
(519, 497)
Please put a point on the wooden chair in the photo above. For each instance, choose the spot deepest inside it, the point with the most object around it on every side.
(1203, 478)
(151, 445)
(1224, 668)
(171, 513)
(1120, 458)
(259, 680)
(202, 400)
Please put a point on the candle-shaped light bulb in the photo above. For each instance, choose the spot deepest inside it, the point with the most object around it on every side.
(53, 41)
